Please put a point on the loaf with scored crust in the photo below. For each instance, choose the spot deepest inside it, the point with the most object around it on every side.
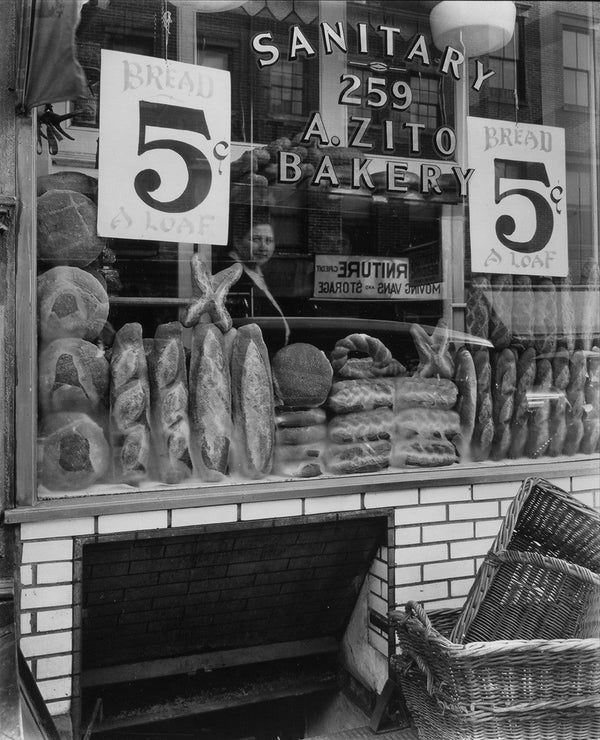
(252, 404)
(129, 405)
(210, 403)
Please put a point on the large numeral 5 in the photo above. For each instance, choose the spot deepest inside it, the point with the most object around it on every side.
(544, 218)
(162, 115)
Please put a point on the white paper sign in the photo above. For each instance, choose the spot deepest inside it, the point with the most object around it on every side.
(164, 150)
(517, 198)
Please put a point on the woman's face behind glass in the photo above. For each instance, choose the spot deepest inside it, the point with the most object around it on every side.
(257, 245)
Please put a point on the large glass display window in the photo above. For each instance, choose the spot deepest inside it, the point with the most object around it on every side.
(298, 240)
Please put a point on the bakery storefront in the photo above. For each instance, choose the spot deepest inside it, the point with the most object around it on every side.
(304, 290)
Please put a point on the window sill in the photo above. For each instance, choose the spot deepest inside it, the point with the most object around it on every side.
(171, 497)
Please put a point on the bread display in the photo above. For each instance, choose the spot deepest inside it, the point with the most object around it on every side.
(545, 317)
(477, 311)
(591, 418)
(210, 412)
(72, 376)
(483, 431)
(522, 312)
(538, 437)
(358, 457)
(66, 229)
(519, 432)
(567, 323)
(209, 293)
(504, 383)
(360, 395)
(302, 376)
(575, 403)
(465, 380)
(500, 328)
(376, 359)
(591, 307)
(252, 404)
(423, 452)
(362, 426)
(72, 453)
(435, 360)
(130, 405)
(71, 303)
(169, 405)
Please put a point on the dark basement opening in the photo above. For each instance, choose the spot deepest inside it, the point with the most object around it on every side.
(228, 632)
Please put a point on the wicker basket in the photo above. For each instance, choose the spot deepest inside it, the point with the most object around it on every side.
(539, 579)
(521, 659)
(501, 690)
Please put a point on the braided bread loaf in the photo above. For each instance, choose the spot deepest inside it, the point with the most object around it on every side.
(129, 405)
(379, 357)
(362, 426)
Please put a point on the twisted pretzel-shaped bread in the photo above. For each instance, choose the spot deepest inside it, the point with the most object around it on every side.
(378, 363)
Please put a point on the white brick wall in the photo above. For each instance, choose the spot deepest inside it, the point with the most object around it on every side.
(441, 535)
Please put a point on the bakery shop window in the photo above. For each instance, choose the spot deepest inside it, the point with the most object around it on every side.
(351, 315)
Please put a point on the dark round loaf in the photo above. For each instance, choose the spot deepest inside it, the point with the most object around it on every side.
(66, 229)
(302, 376)
(74, 453)
(71, 303)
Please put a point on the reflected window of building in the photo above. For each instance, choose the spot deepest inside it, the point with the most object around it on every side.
(576, 67)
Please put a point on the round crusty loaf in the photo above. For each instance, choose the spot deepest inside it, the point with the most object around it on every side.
(302, 376)
(73, 452)
(66, 229)
(67, 180)
(73, 376)
(71, 303)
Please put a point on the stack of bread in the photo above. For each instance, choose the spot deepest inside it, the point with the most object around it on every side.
(302, 378)
(73, 377)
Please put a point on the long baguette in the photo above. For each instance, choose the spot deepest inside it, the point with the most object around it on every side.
(252, 404)
(501, 313)
(526, 369)
(522, 312)
(545, 317)
(539, 429)
(504, 385)
(483, 432)
(465, 380)
(477, 311)
(210, 403)
(576, 403)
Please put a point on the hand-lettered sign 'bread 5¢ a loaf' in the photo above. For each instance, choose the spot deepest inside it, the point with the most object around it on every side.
(163, 161)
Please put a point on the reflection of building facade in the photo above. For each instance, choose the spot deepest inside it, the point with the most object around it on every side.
(371, 201)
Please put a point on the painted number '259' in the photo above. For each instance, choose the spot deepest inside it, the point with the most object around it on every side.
(544, 218)
(160, 115)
